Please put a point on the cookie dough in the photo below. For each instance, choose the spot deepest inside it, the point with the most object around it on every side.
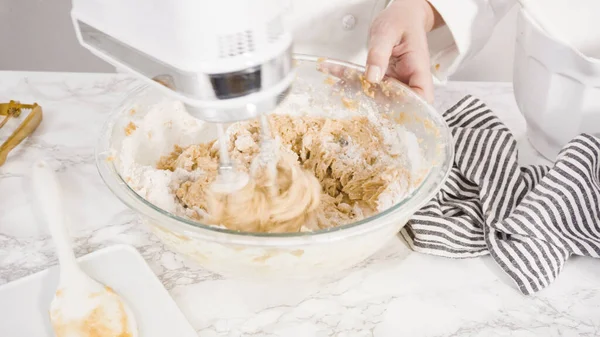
(330, 172)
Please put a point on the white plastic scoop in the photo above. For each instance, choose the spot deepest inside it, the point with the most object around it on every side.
(82, 307)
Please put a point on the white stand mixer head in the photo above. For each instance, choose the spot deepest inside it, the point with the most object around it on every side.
(226, 60)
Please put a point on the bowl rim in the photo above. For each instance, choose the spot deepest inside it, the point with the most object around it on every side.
(118, 186)
(579, 56)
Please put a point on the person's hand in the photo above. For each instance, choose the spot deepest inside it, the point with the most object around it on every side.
(398, 45)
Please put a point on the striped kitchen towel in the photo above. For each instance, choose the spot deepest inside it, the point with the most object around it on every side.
(530, 219)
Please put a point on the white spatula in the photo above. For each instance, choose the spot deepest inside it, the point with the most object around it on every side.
(81, 307)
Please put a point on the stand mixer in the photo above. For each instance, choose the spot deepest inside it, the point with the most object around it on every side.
(227, 61)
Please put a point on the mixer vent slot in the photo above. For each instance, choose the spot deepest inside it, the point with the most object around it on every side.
(236, 44)
(274, 29)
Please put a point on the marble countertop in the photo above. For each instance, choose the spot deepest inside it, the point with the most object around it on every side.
(397, 293)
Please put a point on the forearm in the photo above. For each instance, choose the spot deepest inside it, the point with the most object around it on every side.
(433, 18)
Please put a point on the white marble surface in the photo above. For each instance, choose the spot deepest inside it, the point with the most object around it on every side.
(397, 293)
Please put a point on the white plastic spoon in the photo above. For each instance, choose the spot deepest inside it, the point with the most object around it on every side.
(81, 307)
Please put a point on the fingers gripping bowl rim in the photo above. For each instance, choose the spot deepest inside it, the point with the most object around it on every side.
(265, 249)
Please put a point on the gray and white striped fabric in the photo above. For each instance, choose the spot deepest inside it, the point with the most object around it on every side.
(530, 219)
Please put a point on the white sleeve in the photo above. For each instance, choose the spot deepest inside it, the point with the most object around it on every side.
(469, 25)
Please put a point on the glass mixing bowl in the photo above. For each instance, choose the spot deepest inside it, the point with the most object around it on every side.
(299, 255)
